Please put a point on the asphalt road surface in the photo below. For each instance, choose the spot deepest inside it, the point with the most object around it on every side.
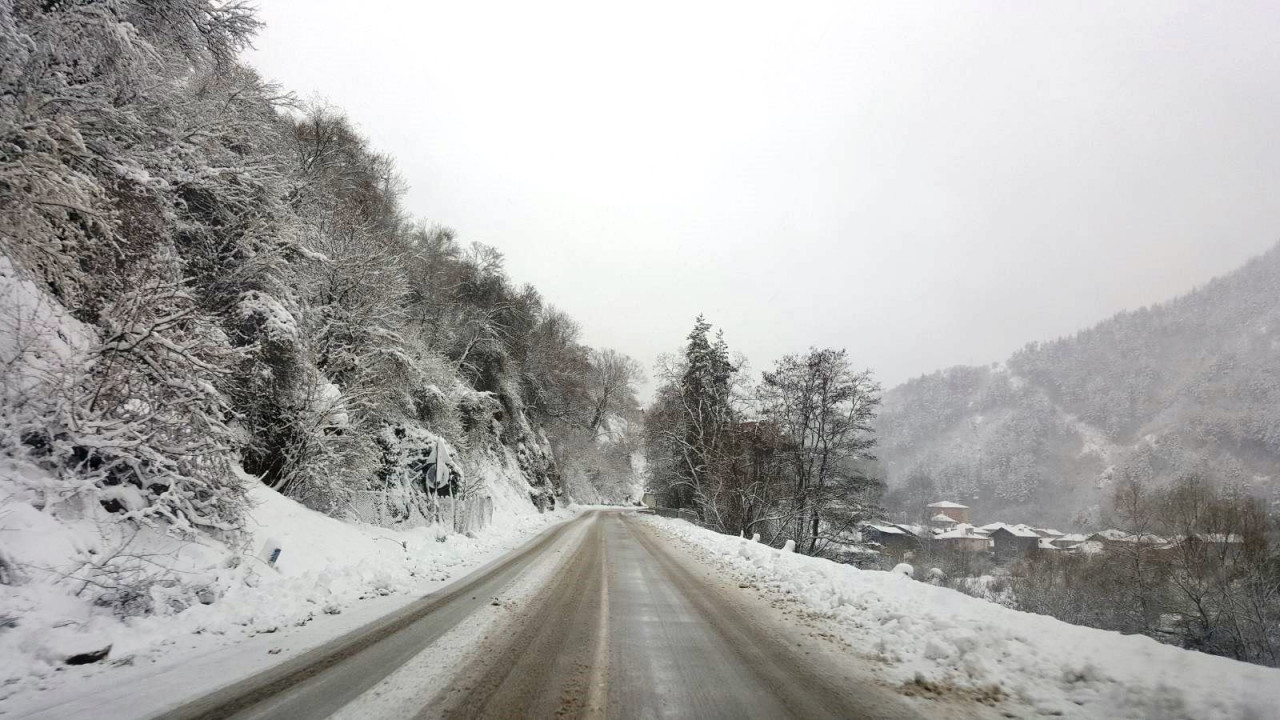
(626, 627)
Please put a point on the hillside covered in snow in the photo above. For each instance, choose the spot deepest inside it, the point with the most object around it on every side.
(1188, 386)
(213, 306)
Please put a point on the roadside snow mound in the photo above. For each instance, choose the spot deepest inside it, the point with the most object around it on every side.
(936, 637)
(200, 592)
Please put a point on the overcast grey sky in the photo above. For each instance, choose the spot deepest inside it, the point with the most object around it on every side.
(924, 184)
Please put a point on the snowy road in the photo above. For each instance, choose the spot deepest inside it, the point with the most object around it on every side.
(630, 629)
(617, 623)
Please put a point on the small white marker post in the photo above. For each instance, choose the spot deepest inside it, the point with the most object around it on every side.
(270, 552)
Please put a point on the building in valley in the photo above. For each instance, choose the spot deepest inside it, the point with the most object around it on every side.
(894, 541)
(1014, 542)
(963, 538)
(953, 510)
(941, 522)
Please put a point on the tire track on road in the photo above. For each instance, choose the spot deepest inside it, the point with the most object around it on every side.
(546, 666)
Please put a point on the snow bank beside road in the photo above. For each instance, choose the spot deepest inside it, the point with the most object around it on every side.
(935, 637)
(219, 594)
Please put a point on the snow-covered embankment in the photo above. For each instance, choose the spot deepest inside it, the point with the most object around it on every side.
(201, 596)
(935, 637)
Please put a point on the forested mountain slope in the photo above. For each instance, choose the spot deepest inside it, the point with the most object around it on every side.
(1190, 385)
(199, 272)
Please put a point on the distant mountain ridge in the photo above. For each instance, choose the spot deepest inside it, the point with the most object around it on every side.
(1189, 385)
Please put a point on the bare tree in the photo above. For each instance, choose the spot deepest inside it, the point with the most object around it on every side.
(1226, 590)
(1138, 563)
(614, 377)
(824, 410)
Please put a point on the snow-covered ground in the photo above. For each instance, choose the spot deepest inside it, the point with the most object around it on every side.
(932, 637)
(214, 606)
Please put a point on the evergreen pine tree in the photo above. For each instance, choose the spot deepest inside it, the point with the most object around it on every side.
(704, 390)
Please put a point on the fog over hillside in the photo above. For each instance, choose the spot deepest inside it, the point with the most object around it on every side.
(1187, 386)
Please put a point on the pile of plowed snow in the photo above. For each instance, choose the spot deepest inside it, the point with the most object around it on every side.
(190, 594)
(935, 637)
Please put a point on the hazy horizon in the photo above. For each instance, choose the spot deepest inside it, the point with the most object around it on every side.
(925, 185)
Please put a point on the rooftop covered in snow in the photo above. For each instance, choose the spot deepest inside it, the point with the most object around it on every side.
(962, 530)
(1021, 531)
(886, 529)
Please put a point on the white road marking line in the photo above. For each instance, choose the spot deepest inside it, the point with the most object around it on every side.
(597, 692)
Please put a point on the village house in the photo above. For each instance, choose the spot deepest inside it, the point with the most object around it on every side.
(1217, 542)
(941, 522)
(1112, 536)
(957, 512)
(894, 541)
(964, 538)
(1014, 542)
(919, 531)
(1069, 542)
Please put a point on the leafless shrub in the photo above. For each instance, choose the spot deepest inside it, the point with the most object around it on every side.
(1198, 568)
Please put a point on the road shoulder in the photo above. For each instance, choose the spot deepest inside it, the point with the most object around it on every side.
(816, 640)
(197, 666)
